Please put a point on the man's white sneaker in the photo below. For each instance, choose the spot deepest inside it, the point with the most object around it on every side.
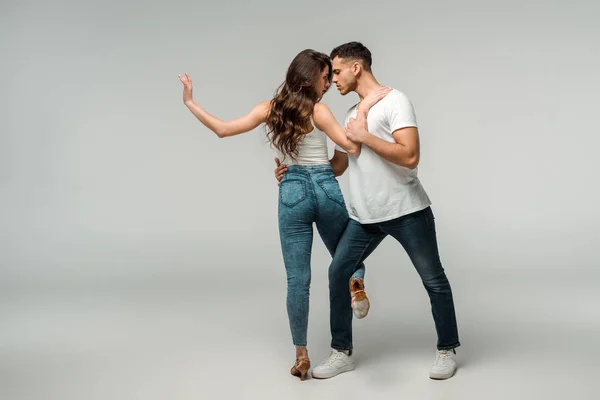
(337, 363)
(444, 366)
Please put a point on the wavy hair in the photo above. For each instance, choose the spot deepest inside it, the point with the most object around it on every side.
(288, 119)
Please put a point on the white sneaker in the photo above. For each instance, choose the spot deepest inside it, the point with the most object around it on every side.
(337, 363)
(444, 366)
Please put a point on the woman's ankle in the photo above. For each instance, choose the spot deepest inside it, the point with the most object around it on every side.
(301, 352)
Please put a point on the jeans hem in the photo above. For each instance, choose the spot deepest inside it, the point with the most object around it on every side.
(451, 347)
(339, 348)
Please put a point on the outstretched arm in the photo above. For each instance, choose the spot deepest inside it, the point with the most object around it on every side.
(222, 128)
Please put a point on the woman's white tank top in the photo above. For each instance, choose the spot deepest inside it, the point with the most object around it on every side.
(312, 149)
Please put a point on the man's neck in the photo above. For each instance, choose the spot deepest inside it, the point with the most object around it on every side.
(366, 85)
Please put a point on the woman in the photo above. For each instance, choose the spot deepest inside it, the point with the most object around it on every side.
(298, 126)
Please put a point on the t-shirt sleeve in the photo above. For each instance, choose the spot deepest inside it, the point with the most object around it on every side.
(401, 113)
(338, 148)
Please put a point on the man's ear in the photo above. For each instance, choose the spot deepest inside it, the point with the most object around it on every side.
(356, 68)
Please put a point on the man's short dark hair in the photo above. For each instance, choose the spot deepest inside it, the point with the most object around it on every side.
(353, 50)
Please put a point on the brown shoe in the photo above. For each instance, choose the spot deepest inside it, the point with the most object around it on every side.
(300, 368)
(360, 302)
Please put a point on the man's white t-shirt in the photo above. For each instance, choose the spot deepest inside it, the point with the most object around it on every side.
(380, 190)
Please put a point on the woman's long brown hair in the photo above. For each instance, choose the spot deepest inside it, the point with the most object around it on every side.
(288, 119)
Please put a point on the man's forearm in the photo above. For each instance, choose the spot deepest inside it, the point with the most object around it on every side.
(339, 162)
(395, 153)
(336, 170)
(338, 167)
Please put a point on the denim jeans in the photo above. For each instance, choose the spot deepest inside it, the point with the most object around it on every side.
(308, 194)
(416, 233)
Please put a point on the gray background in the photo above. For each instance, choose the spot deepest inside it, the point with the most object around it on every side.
(139, 254)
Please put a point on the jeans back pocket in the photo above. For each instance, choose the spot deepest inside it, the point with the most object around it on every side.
(332, 189)
(292, 192)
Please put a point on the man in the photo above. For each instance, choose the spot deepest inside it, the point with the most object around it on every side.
(386, 198)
